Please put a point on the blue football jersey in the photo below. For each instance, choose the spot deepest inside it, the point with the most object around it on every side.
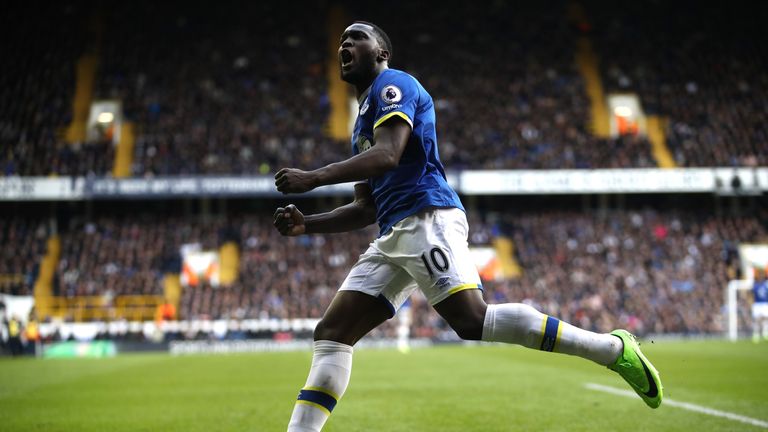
(419, 179)
(760, 291)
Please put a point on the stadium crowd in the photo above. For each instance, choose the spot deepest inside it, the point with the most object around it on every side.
(36, 90)
(703, 68)
(125, 256)
(211, 93)
(296, 277)
(650, 271)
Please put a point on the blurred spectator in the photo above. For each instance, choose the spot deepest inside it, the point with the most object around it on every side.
(165, 312)
(32, 334)
(24, 241)
(15, 330)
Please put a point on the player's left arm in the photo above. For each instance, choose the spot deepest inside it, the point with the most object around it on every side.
(390, 139)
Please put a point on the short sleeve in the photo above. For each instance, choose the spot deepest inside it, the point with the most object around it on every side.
(397, 95)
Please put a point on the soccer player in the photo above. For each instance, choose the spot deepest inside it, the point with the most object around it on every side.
(422, 242)
(760, 307)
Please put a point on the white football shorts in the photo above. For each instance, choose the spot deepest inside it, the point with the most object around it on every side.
(759, 310)
(428, 250)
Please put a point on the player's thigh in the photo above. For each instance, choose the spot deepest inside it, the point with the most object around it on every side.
(371, 293)
(432, 247)
(350, 316)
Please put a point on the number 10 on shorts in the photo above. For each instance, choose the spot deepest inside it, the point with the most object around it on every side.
(435, 260)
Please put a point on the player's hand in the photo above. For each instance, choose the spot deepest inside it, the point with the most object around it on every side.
(289, 221)
(292, 180)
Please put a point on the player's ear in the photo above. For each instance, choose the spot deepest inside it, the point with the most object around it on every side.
(383, 56)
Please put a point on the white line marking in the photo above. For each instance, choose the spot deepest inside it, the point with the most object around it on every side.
(683, 405)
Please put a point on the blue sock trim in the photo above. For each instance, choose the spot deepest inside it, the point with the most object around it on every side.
(550, 334)
(323, 399)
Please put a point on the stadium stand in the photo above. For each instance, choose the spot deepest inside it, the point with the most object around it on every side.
(529, 113)
(703, 68)
(223, 96)
(652, 271)
(280, 278)
(123, 256)
(226, 97)
(212, 93)
(40, 49)
(520, 101)
(219, 94)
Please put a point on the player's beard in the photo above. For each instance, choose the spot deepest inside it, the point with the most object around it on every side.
(364, 69)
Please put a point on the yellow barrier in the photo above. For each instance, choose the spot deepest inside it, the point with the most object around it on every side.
(338, 91)
(172, 288)
(10, 279)
(90, 308)
(588, 64)
(85, 81)
(43, 288)
(588, 67)
(505, 250)
(657, 136)
(124, 153)
(229, 255)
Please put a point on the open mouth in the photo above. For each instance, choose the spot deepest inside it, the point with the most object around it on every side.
(346, 58)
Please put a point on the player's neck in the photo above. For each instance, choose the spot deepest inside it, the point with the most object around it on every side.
(364, 84)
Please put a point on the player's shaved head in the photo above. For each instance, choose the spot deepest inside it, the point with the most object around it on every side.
(381, 36)
(364, 51)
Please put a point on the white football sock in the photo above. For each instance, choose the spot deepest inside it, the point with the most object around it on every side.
(520, 324)
(327, 381)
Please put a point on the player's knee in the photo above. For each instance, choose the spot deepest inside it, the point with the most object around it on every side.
(468, 327)
(465, 313)
(468, 330)
(327, 331)
(323, 331)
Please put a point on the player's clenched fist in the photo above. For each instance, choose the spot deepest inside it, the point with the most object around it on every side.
(292, 180)
(289, 221)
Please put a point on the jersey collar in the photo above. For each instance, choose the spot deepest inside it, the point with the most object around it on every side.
(364, 95)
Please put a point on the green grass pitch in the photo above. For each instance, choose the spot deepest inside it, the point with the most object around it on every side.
(451, 388)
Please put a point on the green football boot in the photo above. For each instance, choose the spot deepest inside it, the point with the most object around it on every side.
(637, 370)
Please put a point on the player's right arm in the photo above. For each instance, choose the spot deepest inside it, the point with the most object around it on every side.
(358, 214)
